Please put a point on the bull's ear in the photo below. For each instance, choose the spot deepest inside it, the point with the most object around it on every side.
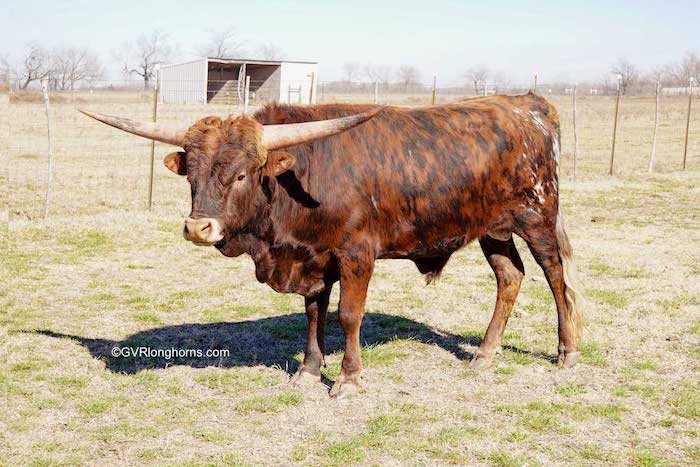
(279, 162)
(175, 161)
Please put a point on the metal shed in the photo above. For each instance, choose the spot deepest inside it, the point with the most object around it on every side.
(222, 80)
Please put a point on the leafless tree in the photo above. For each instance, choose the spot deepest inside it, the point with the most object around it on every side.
(270, 51)
(35, 66)
(628, 73)
(351, 71)
(70, 65)
(477, 77)
(142, 57)
(408, 76)
(380, 73)
(223, 44)
(501, 82)
(5, 70)
(688, 67)
(658, 74)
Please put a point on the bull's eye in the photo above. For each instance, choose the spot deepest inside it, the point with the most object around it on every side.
(240, 177)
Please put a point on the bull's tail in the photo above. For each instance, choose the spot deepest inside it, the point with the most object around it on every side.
(572, 290)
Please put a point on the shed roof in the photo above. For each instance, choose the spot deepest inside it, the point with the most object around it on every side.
(237, 61)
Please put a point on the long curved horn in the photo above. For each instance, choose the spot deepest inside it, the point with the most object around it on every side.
(291, 134)
(165, 133)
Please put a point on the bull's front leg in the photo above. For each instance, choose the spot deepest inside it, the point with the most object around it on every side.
(316, 307)
(355, 273)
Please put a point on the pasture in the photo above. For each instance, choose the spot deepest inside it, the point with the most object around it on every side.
(103, 272)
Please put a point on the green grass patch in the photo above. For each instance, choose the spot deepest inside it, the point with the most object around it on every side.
(571, 389)
(210, 436)
(596, 452)
(345, 452)
(504, 459)
(269, 404)
(384, 425)
(592, 354)
(686, 403)
(86, 242)
(148, 317)
(613, 298)
(646, 458)
(381, 355)
(239, 380)
(454, 435)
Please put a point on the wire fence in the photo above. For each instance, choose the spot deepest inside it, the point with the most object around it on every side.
(98, 169)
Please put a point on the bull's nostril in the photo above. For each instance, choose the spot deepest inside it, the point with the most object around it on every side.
(206, 227)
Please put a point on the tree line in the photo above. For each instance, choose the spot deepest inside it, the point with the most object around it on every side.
(65, 67)
(631, 78)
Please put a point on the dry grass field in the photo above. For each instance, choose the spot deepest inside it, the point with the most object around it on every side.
(103, 272)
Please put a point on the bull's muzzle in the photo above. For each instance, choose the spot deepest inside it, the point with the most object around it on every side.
(205, 231)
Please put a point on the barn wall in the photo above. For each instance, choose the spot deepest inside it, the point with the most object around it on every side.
(222, 83)
(184, 83)
(264, 82)
(295, 76)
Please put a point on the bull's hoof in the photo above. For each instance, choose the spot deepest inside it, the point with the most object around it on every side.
(344, 390)
(568, 359)
(305, 376)
(483, 360)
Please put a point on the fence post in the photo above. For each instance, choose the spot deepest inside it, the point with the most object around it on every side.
(311, 89)
(246, 95)
(49, 178)
(575, 135)
(687, 120)
(434, 88)
(535, 88)
(153, 144)
(617, 106)
(652, 156)
(376, 91)
(4, 164)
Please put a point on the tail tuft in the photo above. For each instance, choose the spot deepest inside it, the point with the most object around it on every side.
(572, 291)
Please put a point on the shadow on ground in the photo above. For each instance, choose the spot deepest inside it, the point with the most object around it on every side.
(267, 341)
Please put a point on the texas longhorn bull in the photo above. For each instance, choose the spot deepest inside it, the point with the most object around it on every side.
(357, 183)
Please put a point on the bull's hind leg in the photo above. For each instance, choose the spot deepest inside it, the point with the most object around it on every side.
(550, 246)
(509, 271)
(310, 369)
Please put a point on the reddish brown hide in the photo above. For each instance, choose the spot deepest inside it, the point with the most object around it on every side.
(409, 183)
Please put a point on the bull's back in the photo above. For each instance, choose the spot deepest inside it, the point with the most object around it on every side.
(436, 175)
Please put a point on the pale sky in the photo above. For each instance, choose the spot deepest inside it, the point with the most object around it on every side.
(560, 40)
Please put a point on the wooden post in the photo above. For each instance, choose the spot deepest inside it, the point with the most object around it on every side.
(246, 95)
(687, 120)
(575, 135)
(311, 89)
(617, 106)
(434, 89)
(153, 146)
(535, 88)
(652, 156)
(376, 92)
(49, 178)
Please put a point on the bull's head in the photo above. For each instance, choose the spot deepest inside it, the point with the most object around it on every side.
(225, 162)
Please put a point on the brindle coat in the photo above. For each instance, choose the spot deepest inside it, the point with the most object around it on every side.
(409, 183)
